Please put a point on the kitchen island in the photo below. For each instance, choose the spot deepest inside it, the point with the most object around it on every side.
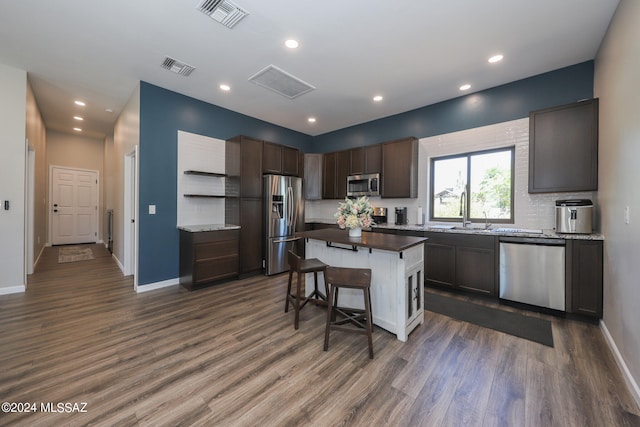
(397, 278)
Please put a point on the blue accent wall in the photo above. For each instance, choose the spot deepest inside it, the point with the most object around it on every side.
(162, 114)
(496, 105)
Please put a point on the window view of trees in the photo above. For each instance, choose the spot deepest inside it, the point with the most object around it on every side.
(486, 179)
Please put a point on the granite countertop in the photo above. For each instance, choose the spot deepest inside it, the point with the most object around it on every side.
(387, 242)
(498, 230)
(196, 228)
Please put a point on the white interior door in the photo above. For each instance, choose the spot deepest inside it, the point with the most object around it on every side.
(74, 207)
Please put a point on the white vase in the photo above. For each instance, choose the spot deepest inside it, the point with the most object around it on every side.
(355, 232)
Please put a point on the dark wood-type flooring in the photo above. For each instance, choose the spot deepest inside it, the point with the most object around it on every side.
(228, 355)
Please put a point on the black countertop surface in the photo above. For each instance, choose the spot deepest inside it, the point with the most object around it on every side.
(387, 242)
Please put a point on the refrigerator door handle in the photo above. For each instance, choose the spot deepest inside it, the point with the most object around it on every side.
(293, 239)
(290, 205)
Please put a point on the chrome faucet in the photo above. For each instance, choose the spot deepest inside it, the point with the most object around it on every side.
(487, 224)
(463, 208)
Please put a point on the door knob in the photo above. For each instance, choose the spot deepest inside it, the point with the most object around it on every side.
(55, 210)
(55, 205)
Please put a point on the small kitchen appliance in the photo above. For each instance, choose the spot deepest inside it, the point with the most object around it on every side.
(363, 185)
(574, 216)
(401, 215)
(379, 215)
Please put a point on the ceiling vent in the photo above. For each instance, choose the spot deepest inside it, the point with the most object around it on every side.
(279, 81)
(225, 12)
(177, 66)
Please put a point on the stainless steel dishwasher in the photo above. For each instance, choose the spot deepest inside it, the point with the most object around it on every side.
(532, 271)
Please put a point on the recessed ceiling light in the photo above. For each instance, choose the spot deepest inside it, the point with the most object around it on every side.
(465, 87)
(78, 118)
(291, 44)
(311, 119)
(77, 129)
(224, 87)
(496, 58)
(80, 103)
(377, 98)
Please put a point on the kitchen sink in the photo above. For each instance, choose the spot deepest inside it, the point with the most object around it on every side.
(503, 230)
(490, 230)
(471, 228)
(518, 230)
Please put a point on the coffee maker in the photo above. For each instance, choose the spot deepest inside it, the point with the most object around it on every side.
(401, 215)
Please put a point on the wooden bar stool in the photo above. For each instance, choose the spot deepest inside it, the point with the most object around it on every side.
(353, 278)
(303, 266)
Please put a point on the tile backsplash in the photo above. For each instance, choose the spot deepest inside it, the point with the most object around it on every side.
(531, 210)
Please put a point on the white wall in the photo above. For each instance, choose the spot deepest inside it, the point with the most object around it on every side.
(13, 107)
(108, 191)
(617, 68)
(204, 154)
(531, 210)
(36, 134)
(126, 137)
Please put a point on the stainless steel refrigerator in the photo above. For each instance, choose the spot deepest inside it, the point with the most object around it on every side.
(284, 215)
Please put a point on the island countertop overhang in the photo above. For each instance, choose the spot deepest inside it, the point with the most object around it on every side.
(372, 240)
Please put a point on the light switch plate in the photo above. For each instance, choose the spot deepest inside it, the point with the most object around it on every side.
(627, 215)
(152, 209)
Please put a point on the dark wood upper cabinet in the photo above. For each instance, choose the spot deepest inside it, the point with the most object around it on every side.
(400, 168)
(244, 167)
(290, 161)
(329, 175)
(280, 159)
(365, 160)
(343, 161)
(272, 158)
(335, 168)
(563, 148)
(357, 161)
(373, 158)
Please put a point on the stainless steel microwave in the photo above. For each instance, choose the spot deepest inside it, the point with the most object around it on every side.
(363, 185)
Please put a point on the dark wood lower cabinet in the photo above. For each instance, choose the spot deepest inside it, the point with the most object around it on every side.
(584, 290)
(470, 262)
(461, 261)
(208, 257)
(440, 264)
(475, 270)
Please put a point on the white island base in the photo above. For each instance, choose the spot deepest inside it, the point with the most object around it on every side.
(397, 282)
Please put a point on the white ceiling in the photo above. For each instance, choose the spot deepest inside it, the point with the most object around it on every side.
(413, 52)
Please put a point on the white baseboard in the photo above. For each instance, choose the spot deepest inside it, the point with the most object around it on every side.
(158, 285)
(12, 290)
(35, 263)
(631, 382)
(120, 266)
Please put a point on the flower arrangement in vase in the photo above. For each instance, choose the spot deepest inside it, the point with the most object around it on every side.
(355, 215)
